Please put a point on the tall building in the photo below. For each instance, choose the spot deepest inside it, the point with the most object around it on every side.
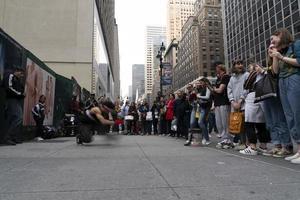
(154, 37)
(211, 45)
(186, 69)
(116, 66)
(249, 25)
(73, 37)
(178, 11)
(201, 44)
(138, 80)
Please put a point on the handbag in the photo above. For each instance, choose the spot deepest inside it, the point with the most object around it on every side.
(128, 117)
(266, 87)
(174, 125)
(197, 114)
(149, 116)
(236, 122)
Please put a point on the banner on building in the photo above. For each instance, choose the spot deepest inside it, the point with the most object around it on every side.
(167, 74)
(38, 82)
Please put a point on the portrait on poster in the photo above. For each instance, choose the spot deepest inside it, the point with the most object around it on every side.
(38, 82)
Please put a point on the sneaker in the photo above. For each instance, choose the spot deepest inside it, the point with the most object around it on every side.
(240, 147)
(188, 143)
(282, 153)
(220, 144)
(249, 151)
(206, 143)
(203, 141)
(261, 151)
(195, 144)
(228, 145)
(296, 156)
(224, 145)
(296, 160)
(38, 139)
(218, 135)
(271, 151)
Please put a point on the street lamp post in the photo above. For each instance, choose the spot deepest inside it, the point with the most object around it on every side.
(160, 57)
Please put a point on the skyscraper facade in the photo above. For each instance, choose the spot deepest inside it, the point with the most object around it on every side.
(211, 45)
(178, 12)
(188, 54)
(201, 44)
(75, 38)
(249, 25)
(154, 37)
(138, 80)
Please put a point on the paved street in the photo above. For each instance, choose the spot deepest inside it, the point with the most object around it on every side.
(140, 167)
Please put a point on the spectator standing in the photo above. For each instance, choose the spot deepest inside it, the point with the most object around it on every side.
(143, 109)
(14, 84)
(182, 109)
(205, 103)
(38, 112)
(131, 124)
(255, 127)
(155, 115)
(170, 114)
(162, 116)
(286, 62)
(237, 94)
(222, 105)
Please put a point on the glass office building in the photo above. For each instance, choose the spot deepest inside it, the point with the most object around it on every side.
(249, 24)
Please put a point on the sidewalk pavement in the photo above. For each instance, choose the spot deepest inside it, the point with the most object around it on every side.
(140, 168)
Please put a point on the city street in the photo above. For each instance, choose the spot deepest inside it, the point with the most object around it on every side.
(140, 167)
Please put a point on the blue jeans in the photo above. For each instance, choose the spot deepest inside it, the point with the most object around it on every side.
(276, 122)
(203, 123)
(290, 96)
(193, 119)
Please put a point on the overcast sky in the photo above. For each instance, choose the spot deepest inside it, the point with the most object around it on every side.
(132, 18)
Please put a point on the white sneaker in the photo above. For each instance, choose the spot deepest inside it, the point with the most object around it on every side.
(297, 155)
(203, 141)
(296, 160)
(38, 139)
(249, 151)
(207, 143)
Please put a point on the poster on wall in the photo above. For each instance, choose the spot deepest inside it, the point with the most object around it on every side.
(167, 74)
(38, 82)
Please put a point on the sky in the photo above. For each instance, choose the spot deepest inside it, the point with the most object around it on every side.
(132, 17)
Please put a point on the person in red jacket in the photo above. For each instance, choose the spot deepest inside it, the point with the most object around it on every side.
(170, 114)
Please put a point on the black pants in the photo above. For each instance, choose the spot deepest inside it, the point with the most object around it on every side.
(39, 127)
(169, 131)
(155, 122)
(256, 131)
(162, 126)
(182, 127)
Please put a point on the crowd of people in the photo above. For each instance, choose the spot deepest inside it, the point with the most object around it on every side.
(274, 120)
(202, 107)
